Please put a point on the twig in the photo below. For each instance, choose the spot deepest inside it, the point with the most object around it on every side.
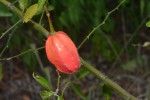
(102, 23)
(9, 29)
(33, 47)
(66, 85)
(27, 51)
(6, 46)
(127, 43)
(124, 34)
(41, 18)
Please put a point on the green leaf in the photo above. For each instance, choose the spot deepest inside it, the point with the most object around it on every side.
(130, 65)
(60, 98)
(78, 91)
(4, 12)
(148, 24)
(83, 72)
(1, 74)
(40, 5)
(31, 11)
(42, 81)
(46, 94)
(50, 7)
(23, 4)
(106, 92)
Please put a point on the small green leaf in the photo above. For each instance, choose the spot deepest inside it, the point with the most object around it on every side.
(148, 24)
(31, 11)
(50, 7)
(130, 65)
(1, 74)
(46, 94)
(42, 81)
(23, 4)
(60, 98)
(83, 72)
(78, 91)
(106, 92)
(40, 5)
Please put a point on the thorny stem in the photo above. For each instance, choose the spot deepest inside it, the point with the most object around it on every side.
(102, 23)
(91, 68)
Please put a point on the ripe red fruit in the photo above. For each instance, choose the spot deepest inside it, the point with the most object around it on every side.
(62, 53)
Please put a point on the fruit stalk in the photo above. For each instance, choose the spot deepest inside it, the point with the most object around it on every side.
(52, 31)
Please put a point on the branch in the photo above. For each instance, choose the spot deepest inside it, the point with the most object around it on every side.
(91, 68)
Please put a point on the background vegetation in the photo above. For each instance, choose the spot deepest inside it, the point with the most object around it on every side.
(116, 49)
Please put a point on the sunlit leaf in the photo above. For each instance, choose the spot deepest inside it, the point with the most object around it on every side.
(41, 80)
(31, 11)
(146, 44)
(40, 5)
(148, 24)
(46, 94)
(23, 4)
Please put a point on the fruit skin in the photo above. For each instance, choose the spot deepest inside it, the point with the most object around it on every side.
(62, 53)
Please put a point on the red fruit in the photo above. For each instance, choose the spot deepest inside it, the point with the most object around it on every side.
(62, 53)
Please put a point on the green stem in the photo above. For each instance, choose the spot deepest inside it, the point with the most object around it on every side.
(52, 31)
(39, 28)
(91, 68)
(107, 81)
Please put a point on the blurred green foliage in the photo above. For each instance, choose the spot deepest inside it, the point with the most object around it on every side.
(77, 18)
